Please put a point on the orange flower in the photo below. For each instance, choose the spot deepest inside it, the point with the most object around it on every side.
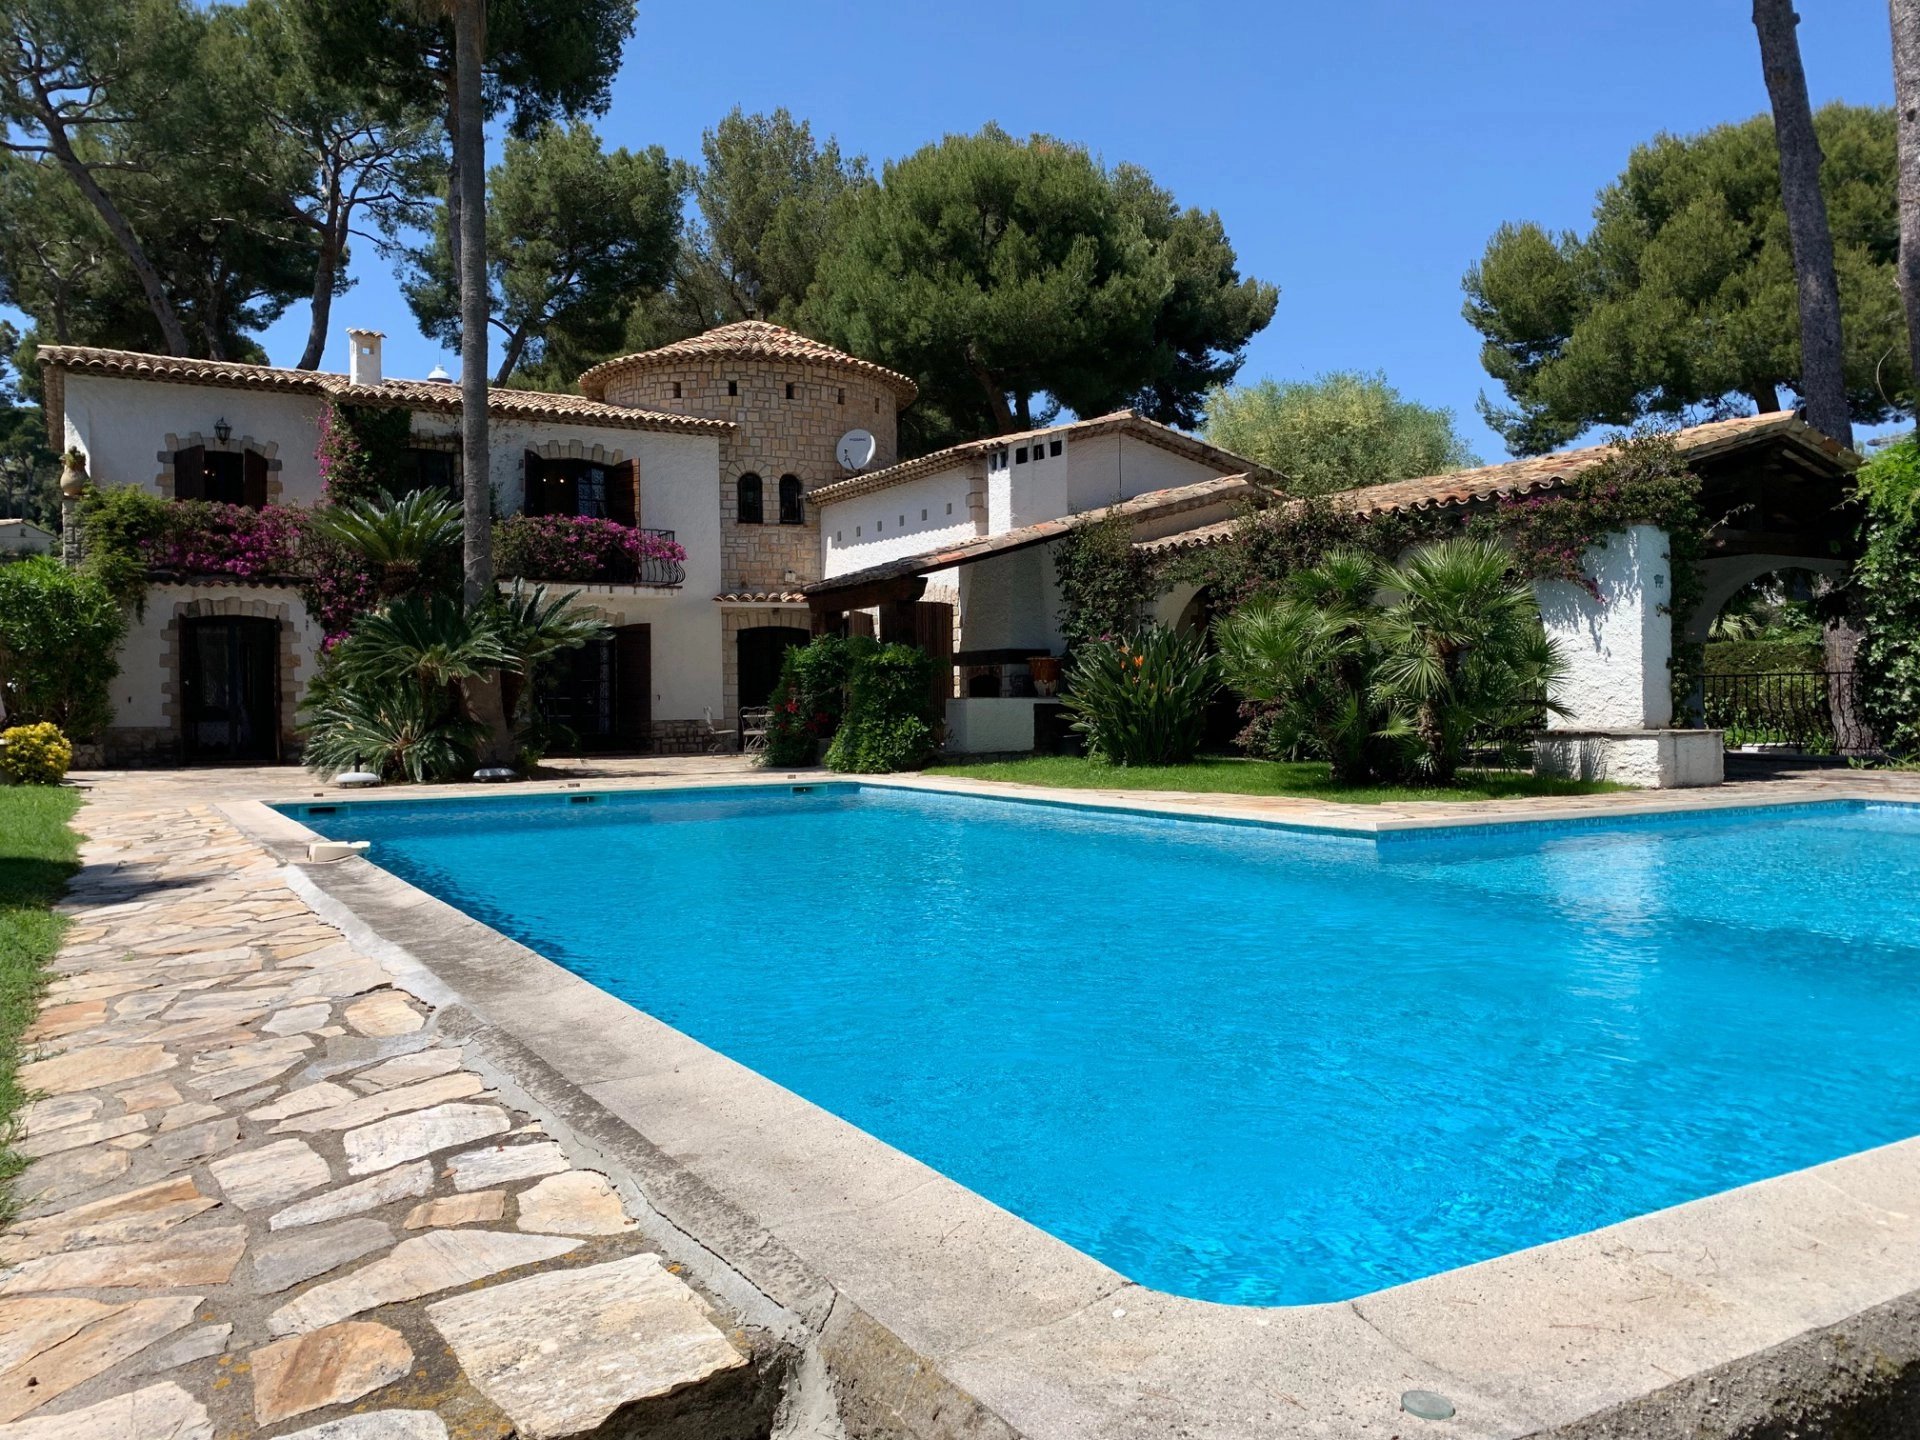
(1138, 661)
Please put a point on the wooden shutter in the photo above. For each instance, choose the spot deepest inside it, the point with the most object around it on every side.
(253, 483)
(633, 686)
(534, 501)
(190, 473)
(623, 493)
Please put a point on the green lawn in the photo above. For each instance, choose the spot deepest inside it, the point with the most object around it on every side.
(37, 852)
(1224, 775)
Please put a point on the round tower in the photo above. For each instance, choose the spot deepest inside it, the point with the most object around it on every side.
(793, 400)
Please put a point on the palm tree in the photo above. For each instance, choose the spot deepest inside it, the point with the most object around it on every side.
(1462, 650)
(409, 541)
(1310, 653)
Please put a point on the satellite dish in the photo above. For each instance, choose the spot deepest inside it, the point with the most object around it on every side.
(856, 449)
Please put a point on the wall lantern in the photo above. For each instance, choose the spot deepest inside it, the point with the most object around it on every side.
(222, 430)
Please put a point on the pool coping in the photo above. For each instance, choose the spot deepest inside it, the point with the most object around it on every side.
(937, 1313)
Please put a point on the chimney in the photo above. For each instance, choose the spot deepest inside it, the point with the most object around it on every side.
(363, 357)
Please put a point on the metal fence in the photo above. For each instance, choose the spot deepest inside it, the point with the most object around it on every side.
(1817, 712)
(649, 571)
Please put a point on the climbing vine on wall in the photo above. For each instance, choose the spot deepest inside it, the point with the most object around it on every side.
(1886, 580)
(1105, 584)
(1644, 481)
(363, 451)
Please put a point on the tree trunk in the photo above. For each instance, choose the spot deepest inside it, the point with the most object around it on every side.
(1823, 385)
(324, 269)
(163, 313)
(469, 20)
(1906, 109)
(996, 396)
(484, 699)
(1766, 398)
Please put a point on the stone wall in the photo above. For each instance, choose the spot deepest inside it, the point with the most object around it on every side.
(791, 416)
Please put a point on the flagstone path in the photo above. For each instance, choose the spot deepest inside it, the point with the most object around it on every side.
(268, 1198)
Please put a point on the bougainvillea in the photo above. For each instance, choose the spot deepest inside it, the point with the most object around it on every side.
(362, 451)
(580, 548)
(204, 537)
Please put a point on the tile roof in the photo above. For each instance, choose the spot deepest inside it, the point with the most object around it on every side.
(1155, 504)
(1125, 421)
(747, 340)
(1540, 473)
(434, 395)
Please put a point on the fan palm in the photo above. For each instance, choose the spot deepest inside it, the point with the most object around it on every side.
(1311, 652)
(412, 541)
(1462, 650)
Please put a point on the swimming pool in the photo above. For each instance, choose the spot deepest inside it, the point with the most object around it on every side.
(1237, 1062)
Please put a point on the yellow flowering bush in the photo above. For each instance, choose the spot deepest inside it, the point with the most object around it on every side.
(34, 754)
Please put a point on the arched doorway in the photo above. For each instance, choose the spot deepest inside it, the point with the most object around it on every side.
(1775, 671)
(758, 651)
(230, 690)
(1223, 723)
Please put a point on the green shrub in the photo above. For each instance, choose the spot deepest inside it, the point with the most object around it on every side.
(34, 754)
(811, 697)
(1887, 580)
(1763, 657)
(60, 635)
(1143, 701)
(117, 527)
(886, 725)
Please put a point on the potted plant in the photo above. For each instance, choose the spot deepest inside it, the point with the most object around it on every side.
(1045, 670)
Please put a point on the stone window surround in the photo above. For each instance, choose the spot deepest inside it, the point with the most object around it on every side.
(578, 450)
(240, 607)
(237, 445)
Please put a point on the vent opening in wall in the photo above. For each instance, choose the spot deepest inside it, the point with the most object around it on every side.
(676, 389)
(1053, 447)
(733, 387)
(843, 398)
(789, 390)
(923, 514)
(949, 507)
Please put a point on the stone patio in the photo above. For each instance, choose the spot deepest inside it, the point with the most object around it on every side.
(271, 1197)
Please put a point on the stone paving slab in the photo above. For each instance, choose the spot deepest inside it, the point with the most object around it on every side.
(258, 1165)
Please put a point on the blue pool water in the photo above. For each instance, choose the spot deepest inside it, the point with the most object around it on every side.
(1237, 1062)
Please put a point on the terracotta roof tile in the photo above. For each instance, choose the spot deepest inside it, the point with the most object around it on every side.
(1540, 473)
(434, 395)
(747, 340)
(1127, 421)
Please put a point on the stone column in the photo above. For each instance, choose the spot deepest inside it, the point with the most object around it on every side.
(1616, 637)
(73, 485)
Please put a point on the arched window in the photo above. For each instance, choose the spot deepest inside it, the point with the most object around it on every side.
(748, 511)
(793, 510)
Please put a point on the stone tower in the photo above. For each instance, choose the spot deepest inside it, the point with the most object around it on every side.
(792, 399)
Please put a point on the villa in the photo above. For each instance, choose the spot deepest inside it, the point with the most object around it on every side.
(770, 460)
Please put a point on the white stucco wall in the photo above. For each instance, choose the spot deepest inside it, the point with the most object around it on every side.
(122, 427)
(1011, 602)
(923, 514)
(1109, 468)
(1618, 643)
(139, 691)
(991, 726)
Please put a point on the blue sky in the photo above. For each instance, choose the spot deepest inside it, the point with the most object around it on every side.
(1360, 151)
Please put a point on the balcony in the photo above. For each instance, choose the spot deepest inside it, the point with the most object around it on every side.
(585, 550)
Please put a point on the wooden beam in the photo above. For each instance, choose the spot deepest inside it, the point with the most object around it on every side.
(899, 590)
